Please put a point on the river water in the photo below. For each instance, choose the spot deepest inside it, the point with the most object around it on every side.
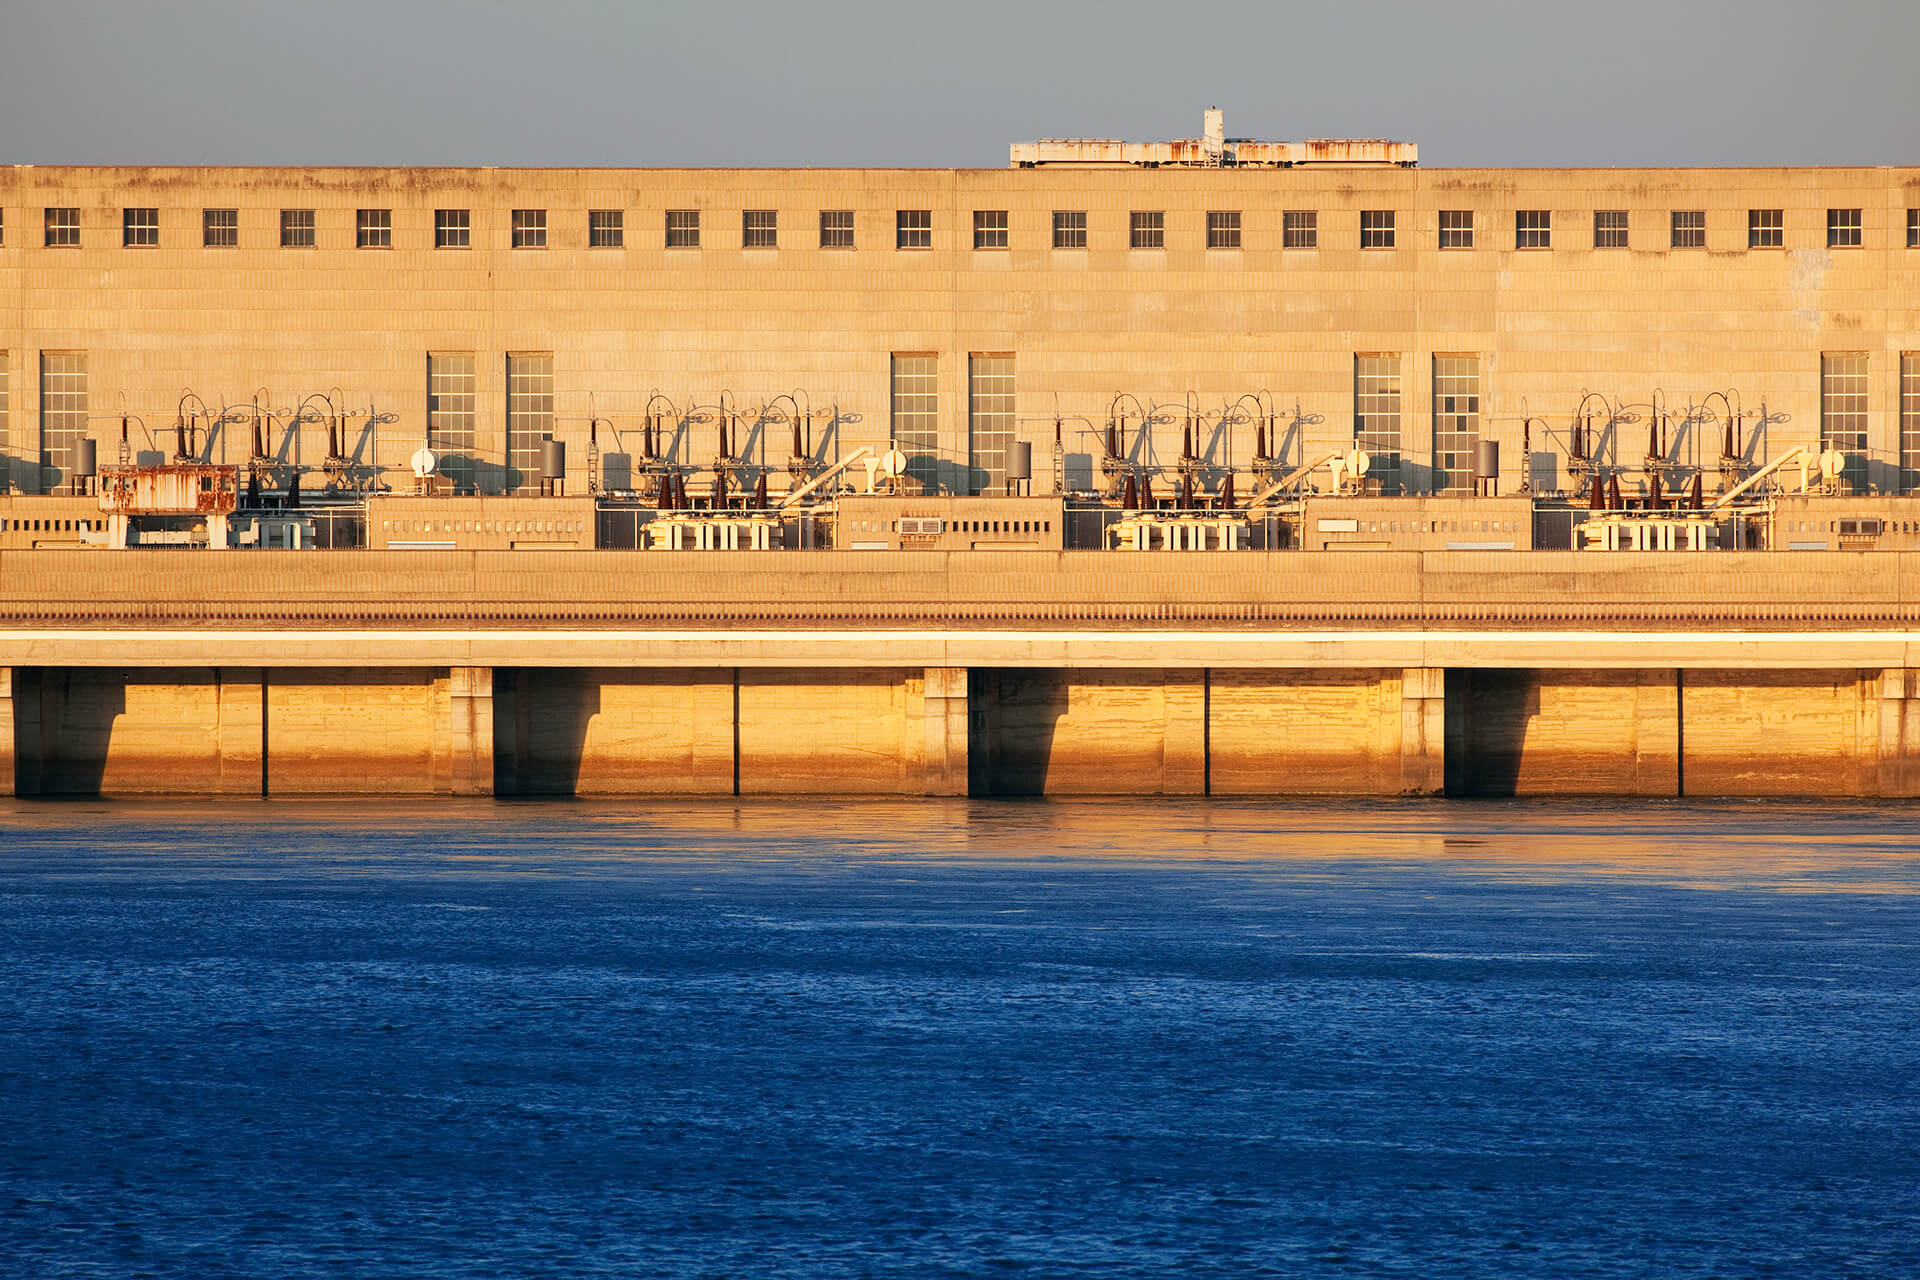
(959, 1039)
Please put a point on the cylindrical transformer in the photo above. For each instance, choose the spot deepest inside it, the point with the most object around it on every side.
(553, 459)
(1020, 460)
(1487, 460)
(86, 459)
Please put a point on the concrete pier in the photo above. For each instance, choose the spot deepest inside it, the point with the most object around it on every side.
(983, 674)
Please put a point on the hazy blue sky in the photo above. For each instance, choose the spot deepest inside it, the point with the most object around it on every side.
(858, 82)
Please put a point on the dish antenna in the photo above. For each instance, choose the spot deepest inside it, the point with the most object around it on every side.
(423, 463)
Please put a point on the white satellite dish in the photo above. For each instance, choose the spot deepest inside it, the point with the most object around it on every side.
(1832, 463)
(893, 463)
(1358, 462)
(424, 463)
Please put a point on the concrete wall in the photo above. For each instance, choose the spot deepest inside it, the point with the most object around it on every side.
(789, 731)
(1082, 325)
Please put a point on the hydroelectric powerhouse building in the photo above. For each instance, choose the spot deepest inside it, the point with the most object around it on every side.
(1211, 466)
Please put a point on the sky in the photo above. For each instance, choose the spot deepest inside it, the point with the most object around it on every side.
(863, 83)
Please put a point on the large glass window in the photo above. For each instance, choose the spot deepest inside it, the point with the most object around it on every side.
(1376, 416)
(529, 418)
(916, 419)
(1456, 423)
(1843, 411)
(63, 413)
(989, 419)
(450, 416)
(1909, 421)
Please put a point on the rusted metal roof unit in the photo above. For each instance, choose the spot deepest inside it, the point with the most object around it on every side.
(1214, 150)
(180, 488)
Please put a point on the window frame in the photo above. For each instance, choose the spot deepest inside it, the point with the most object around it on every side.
(1683, 232)
(1223, 229)
(527, 229)
(991, 230)
(832, 229)
(1913, 228)
(1533, 228)
(299, 229)
(1069, 224)
(1147, 229)
(1378, 229)
(453, 228)
(913, 229)
(681, 229)
(1461, 236)
(606, 228)
(1603, 232)
(62, 227)
(1846, 229)
(373, 228)
(1766, 228)
(1299, 229)
(765, 236)
(140, 227)
(226, 228)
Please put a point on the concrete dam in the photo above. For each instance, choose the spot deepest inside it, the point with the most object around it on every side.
(958, 673)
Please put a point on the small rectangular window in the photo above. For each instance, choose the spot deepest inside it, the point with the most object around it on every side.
(989, 228)
(1300, 229)
(1376, 228)
(1610, 229)
(1766, 228)
(296, 228)
(1689, 229)
(1843, 229)
(606, 229)
(1223, 229)
(1069, 228)
(836, 228)
(1147, 229)
(683, 228)
(140, 228)
(3, 226)
(1456, 228)
(1913, 228)
(220, 228)
(1533, 229)
(452, 229)
(913, 229)
(760, 229)
(373, 228)
(529, 228)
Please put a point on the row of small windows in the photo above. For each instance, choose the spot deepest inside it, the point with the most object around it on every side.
(913, 229)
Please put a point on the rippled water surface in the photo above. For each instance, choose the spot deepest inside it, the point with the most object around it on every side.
(959, 1039)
